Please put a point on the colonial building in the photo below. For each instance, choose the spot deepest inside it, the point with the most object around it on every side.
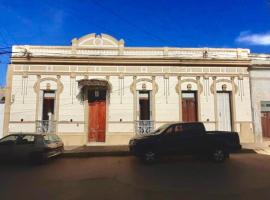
(260, 92)
(98, 91)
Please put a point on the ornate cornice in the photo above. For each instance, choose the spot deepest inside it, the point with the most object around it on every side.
(125, 60)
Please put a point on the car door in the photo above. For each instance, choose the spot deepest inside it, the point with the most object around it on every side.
(179, 139)
(25, 145)
(171, 140)
(191, 138)
(7, 147)
(182, 138)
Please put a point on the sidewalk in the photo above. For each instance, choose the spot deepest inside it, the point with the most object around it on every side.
(254, 145)
(259, 148)
(87, 151)
(123, 150)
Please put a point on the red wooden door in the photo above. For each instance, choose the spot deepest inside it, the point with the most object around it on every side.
(189, 109)
(265, 119)
(97, 121)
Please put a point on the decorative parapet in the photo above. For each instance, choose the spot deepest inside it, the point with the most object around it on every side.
(105, 45)
(100, 41)
(260, 59)
(24, 51)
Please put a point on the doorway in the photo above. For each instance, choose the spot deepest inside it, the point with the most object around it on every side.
(189, 106)
(265, 119)
(48, 105)
(97, 115)
(224, 111)
(144, 105)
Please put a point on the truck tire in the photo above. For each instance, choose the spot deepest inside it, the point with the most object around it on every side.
(149, 157)
(219, 155)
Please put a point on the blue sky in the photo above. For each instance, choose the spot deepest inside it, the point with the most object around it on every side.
(180, 23)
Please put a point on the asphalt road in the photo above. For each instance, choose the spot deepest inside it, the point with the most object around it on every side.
(244, 176)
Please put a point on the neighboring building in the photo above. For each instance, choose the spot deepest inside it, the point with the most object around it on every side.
(2, 109)
(260, 90)
(97, 91)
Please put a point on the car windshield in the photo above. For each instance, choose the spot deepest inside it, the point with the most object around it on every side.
(51, 138)
(160, 129)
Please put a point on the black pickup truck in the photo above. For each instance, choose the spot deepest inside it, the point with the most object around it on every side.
(187, 139)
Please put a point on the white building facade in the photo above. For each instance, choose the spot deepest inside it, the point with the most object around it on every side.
(260, 93)
(97, 91)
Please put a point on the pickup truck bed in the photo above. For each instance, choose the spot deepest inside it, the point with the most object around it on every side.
(231, 139)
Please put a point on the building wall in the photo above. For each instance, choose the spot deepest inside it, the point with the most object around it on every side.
(207, 105)
(260, 83)
(122, 108)
(23, 104)
(167, 100)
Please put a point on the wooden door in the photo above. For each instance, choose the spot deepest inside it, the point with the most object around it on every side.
(265, 120)
(189, 107)
(224, 111)
(97, 118)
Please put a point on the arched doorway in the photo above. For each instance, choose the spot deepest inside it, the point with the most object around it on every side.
(96, 93)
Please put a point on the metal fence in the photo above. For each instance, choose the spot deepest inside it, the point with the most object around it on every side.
(45, 126)
(144, 127)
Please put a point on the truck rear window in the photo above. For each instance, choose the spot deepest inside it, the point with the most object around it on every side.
(194, 127)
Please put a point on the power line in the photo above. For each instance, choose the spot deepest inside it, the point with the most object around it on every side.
(5, 52)
(128, 22)
(77, 13)
(5, 47)
(3, 38)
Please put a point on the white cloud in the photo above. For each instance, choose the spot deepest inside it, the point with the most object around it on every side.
(254, 39)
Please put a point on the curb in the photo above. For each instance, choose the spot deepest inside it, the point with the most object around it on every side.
(123, 153)
(242, 151)
(95, 154)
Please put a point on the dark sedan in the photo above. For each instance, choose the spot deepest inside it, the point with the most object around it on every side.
(33, 147)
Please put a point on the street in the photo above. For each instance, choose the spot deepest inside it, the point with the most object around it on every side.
(243, 176)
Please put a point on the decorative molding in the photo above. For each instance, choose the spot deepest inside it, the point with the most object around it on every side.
(135, 81)
(97, 73)
(56, 80)
(143, 65)
(199, 85)
(224, 81)
(100, 41)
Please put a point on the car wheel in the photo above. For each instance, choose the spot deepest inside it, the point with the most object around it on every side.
(219, 155)
(149, 157)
